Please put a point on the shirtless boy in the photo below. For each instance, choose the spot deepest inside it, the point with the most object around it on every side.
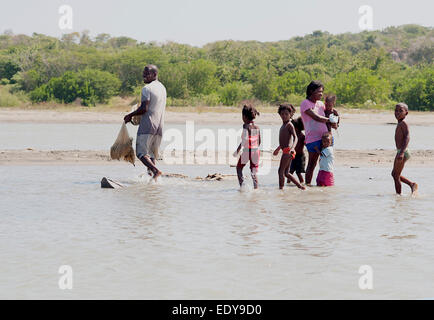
(402, 139)
(287, 142)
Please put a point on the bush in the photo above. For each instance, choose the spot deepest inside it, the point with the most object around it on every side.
(232, 93)
(91, 86)
(360, 86)
(291, 83)
(416, 89)
(174, 78)
(7, 99)
(201, 77)
(8, 68)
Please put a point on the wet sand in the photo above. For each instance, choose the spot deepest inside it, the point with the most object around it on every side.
(346, 158)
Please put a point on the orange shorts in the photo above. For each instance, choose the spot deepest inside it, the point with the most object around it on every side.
(288, 151)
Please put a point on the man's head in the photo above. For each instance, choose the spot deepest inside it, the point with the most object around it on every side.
(401, 111)
(327, 140)
(286, 111)
(150, 73)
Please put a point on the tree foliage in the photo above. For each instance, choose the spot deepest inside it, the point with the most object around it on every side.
(395, 64)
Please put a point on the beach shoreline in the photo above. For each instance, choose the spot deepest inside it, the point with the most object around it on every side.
(377, 117)
(344, 158)
(350, 158)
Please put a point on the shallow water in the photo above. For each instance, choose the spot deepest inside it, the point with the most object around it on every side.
(40, 136)
(187, 239)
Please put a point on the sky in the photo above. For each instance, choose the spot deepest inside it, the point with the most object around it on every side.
(197, 22)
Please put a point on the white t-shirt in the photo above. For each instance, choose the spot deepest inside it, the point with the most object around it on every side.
(152, 121)
(326, 160)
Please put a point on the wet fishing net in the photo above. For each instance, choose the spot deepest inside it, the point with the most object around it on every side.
(122, 149)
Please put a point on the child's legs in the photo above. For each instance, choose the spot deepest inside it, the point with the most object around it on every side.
(254, 166)
(292, 169)
(283, 169)
(292, 178)
(300, 177)
(240, 167)
(404, 179)
(398, 166)
(291, 172)
(254, 172)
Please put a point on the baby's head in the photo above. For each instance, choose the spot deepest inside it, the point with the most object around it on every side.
(298, 124)
(401, 111)
(330, 102)
(249, 113)
(286, 111)
(327, 140)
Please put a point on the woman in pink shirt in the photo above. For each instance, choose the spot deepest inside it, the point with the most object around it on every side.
(314, 121)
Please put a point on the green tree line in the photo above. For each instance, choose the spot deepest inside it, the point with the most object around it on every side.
(363, 69)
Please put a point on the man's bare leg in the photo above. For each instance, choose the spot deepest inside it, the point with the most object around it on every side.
(151, 166)
(149, 170)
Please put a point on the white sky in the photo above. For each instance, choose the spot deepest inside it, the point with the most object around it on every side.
(198, 22)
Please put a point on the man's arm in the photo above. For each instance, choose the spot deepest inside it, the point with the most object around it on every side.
(140, 110)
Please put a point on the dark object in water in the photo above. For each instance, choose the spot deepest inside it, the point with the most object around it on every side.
(110, 184)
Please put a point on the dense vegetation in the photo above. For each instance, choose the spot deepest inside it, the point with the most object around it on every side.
(368, 69)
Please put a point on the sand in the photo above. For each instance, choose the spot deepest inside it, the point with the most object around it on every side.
(349, 158)
(52, 116)
(346, 158)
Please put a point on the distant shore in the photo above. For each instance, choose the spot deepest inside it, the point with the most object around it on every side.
(350, 158)
(200, 115)
(344, 158)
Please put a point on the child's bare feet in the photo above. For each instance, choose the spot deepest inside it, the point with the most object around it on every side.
(302, 187)
(414, 187)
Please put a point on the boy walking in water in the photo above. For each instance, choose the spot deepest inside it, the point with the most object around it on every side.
(250, 142)
(402, 139)
(287, 142)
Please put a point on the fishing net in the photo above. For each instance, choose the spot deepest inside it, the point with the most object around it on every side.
(122, 149)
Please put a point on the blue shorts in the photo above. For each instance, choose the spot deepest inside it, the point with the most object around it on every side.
(311, 146)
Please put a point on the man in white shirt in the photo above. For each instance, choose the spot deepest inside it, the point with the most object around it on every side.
(150, 132)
